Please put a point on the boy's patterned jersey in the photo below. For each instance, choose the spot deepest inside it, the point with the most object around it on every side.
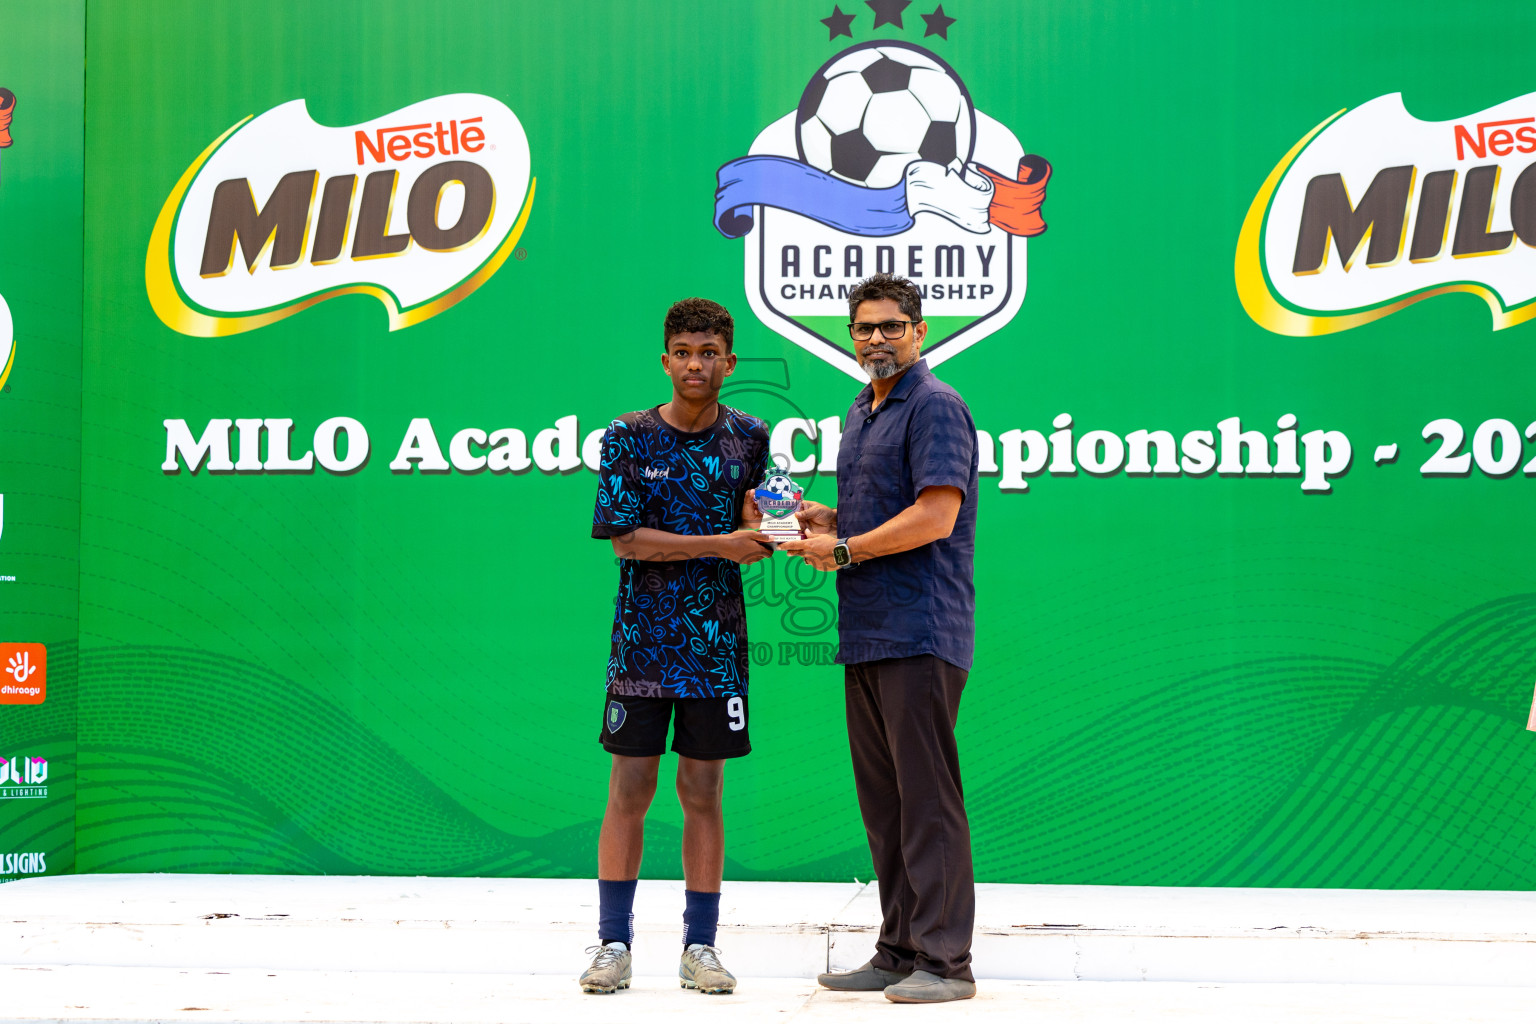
(679, 628)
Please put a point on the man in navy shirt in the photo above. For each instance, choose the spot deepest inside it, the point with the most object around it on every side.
(903, 535)
(671, 498)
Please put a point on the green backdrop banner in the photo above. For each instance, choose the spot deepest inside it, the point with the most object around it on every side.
(42, 114)
(1236, 296)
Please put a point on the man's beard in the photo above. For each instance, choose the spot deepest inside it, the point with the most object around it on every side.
(883, 368)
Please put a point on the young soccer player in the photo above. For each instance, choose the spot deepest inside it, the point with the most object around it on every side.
(672, 497)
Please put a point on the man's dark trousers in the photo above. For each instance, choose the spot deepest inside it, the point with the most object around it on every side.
(906, 768)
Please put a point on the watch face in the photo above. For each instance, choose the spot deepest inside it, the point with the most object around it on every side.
(840, 554)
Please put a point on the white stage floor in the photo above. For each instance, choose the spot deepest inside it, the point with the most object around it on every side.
(260, 948)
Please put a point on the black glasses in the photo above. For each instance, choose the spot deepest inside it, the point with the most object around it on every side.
(890, 330)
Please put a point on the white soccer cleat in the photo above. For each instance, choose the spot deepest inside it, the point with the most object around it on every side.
(701, 969)
(610, 970)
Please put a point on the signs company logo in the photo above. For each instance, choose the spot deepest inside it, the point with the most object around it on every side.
(885, 165)
(25, 678)
(417, 208)
(13, 864)
(616, 716)
(1374, 210)
(22, 778)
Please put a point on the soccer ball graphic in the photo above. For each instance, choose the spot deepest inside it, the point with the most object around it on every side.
(781, 486)
(875, 108)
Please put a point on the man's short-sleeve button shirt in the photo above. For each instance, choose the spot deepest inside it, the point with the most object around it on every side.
(921, 601)
(679, 628)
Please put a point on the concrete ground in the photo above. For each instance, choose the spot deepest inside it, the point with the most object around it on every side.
(220, 949)
(166, 994)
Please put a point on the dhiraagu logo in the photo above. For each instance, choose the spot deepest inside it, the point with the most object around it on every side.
(417, 208)
(25, 673)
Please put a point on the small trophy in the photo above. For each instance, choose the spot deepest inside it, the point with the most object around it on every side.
(778, 499)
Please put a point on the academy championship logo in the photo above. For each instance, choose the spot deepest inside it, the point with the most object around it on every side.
(778, 496)
(416, 208)
(885, 165)
(1374, 210)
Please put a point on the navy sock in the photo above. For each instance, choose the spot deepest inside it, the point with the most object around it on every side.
(701, 917)
(616, 912)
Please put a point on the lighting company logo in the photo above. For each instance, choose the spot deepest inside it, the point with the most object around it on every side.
(885, 165)
(25, 673)
(1374, 210)
(22, 778)
(417, 208)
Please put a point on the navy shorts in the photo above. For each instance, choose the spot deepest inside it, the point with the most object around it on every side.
(708, 728)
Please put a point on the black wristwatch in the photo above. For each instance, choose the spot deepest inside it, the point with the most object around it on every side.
(841, 555)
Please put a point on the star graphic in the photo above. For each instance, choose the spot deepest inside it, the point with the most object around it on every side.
(938, 24)
(888, 12)
(837, 24)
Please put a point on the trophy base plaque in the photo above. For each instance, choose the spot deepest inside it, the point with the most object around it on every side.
(781, 530)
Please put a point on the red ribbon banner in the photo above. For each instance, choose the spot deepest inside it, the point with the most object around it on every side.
(1016, 203)
(7, 108)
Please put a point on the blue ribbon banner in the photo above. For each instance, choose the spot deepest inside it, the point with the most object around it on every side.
(799, 188)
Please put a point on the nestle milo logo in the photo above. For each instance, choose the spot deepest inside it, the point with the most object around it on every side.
(417, 208)
(1374, 210)
(402, 142)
